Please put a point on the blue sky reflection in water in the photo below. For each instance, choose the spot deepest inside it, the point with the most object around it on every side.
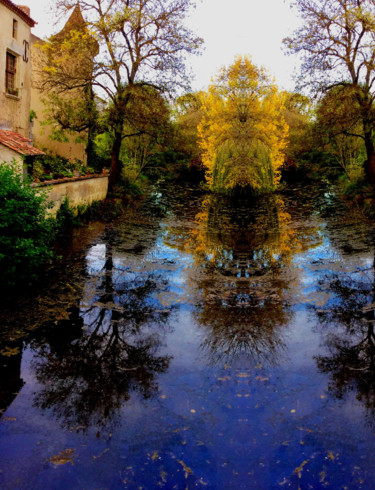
(197, 343)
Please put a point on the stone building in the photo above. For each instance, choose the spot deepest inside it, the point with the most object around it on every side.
(21, 62)
(15, 83)
(15, 66)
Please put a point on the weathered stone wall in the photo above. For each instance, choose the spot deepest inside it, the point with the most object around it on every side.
(82, 190)
(15, 109)
(8, 155)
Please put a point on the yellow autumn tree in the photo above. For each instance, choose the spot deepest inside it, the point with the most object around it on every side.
(243, 133)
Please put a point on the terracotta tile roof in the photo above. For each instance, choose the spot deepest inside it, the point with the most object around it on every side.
(18, 143)
(19, 11)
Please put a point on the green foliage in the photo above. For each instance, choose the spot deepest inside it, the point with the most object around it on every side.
(66, 217)
(50, 166)
(32, 115)
(25, 229)
(130, 188)
(336, 44)
(260, 171)
(103, 145)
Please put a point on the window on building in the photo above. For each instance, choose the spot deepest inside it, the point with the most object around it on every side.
(10, 74)
(15, 28)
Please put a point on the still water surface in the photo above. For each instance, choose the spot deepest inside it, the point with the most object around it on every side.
(197, 343)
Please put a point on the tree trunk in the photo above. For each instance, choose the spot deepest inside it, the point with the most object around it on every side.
(115, 161)
(370, 152)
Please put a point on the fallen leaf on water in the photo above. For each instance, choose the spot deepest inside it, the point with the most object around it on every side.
(305, 430)
(63, 457)
(155, 456)
(299, 469)
(101, 454)
(188, 471)
(331, 456)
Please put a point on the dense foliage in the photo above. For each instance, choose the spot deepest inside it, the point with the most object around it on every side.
(25, 229)
(143, 43)
(243, 131)
(337, 46)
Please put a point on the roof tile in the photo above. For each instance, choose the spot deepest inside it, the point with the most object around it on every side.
(18, 143)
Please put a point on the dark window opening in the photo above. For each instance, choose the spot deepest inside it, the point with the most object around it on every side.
(15, 28)
(10, 75)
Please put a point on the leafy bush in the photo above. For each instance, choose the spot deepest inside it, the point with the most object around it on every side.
(25, 229)
(66, 217)
(49, 167)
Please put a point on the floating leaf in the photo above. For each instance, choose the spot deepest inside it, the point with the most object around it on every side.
(63, 457)
(299, 469)
(188, 471)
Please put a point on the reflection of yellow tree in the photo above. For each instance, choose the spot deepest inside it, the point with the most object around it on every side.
(242, 253)
(243, 133)
(246, 241)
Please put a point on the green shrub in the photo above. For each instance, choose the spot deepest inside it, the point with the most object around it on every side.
(50, 166)
(66, 217)
(25, 230)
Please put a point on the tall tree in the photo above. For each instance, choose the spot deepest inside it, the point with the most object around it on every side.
(338, 129)
(243, 131)
(62, 71)
(337, 44)
(142, 43)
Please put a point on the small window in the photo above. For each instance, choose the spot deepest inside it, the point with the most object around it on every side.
(15, 28)
(10, 75)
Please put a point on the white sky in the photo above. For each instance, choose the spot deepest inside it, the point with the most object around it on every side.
(229, 28)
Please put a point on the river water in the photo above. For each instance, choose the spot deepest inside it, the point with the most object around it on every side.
(197, 342)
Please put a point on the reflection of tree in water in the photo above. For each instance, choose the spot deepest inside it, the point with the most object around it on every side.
(246, 323)
(242, 249)
(242, 237)
(348, 321)
(90, 363)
